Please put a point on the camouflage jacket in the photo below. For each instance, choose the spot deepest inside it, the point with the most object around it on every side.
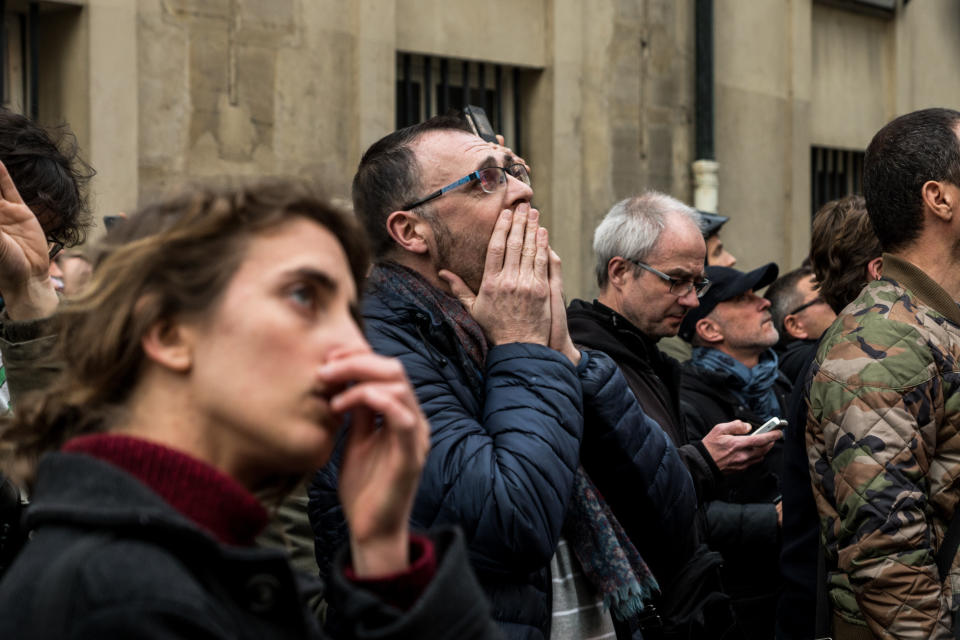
(884, 452)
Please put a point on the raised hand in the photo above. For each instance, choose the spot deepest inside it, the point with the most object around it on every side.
(733, 451)
(24, 257)
(559, 334)
(513, 303)
(381, 464)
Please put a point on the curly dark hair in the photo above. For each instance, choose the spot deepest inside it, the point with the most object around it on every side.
(842, 244)
(50, 175)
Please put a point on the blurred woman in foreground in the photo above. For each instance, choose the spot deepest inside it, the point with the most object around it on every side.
(214, 356)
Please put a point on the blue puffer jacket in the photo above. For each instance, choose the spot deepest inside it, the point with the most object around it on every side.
(505, 448)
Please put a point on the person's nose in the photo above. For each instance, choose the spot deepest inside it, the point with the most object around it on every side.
(689, 299)
(518, 191)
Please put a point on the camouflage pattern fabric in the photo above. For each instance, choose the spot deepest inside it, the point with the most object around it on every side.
(884, 452)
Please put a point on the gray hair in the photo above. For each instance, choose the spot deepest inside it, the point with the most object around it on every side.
(633, 226)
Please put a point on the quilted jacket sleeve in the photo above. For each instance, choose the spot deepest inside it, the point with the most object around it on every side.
(29, 354)
(637, 469)
(871, 437)
(503, 457)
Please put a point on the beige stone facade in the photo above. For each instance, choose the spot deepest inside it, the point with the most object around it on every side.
(163, 92)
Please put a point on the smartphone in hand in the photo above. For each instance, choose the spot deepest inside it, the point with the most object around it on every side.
(769, 425)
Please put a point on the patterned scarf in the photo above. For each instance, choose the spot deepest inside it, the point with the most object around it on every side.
(751, 385)
(611, 563)
(406, 283)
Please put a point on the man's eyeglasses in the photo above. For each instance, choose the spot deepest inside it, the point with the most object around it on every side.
(807, 305)
(490, 179)
(55, 247)
(678, 287)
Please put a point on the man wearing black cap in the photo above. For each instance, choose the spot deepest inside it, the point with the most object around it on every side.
(733, 374)
(717, 254)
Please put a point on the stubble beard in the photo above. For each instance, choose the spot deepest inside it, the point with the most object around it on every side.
(457, 255)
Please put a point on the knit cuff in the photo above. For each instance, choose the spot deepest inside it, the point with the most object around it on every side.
(402, 589)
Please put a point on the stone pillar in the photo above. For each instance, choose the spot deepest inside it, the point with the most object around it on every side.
(706, 185)
(114, 100)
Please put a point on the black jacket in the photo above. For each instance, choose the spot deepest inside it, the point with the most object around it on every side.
(109, 558)
(796, 610)
(745, 513)
(795, 357)
(653, 377)
(742, 522)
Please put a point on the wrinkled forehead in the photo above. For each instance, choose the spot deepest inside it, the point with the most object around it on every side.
(448, 155)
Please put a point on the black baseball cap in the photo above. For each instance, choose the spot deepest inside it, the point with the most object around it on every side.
(726, 283)
(711, 222)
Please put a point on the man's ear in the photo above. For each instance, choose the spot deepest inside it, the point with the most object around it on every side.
(409, 231)
(875, 269)
(794, 327)
(708, 330)
(617, 270)
(940, 200)
(169, 344)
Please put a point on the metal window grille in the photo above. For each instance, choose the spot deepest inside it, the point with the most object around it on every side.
(834, 173)
(430, 85)
(19, 56)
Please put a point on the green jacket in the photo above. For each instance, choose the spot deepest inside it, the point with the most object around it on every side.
(884, 453)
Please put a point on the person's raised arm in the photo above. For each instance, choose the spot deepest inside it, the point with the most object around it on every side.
(24, 257)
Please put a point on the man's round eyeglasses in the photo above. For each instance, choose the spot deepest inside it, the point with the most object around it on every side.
(678, 287)
(806, 305)
(490, 179)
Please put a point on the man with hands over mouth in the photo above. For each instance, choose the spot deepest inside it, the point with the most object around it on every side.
(467, 293)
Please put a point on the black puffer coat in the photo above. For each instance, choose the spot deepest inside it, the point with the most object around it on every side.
(505, 446)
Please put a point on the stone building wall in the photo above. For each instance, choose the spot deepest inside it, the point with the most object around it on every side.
(164, 92)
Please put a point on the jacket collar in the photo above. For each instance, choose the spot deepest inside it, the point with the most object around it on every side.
(75, 489)
(911, 277)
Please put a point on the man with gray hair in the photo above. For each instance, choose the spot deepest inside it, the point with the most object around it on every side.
(650, 265)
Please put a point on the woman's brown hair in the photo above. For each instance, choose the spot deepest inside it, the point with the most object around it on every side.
(170, 259)
(842, 243)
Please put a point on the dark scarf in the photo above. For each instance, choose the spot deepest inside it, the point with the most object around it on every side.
(610, 561)
(410, 285)
(751, 385)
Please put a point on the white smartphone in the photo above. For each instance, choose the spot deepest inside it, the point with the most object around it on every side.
(769, 425)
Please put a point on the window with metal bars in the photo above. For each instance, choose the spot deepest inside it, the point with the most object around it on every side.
(19, 56)
(431, 85)
(834, 173)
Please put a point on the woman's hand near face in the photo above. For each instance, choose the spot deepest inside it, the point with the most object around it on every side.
(381, 464)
